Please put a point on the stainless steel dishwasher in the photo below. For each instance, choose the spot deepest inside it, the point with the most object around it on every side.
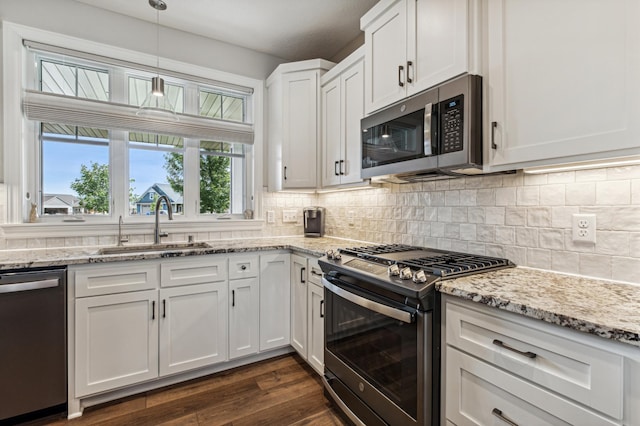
(33, 343)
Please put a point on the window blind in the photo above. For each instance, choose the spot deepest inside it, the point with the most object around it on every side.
(61, 109)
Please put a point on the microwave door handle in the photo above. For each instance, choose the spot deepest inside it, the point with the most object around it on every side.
(385, 310)
(428, 147)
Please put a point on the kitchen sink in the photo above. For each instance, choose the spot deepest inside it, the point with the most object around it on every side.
(152, 247)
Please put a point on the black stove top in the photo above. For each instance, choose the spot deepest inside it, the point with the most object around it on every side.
(407, 270)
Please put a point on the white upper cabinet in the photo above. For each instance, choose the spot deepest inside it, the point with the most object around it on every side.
(293, 92)
(412, 45)
(342, 109)
(561, 81)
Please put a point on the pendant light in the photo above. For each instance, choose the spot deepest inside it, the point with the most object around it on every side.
(157, 103)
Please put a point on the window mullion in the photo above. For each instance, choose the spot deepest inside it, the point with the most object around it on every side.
(191, 179)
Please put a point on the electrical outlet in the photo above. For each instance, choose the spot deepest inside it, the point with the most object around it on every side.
(289, 216)
(584, 228)
(271, 216)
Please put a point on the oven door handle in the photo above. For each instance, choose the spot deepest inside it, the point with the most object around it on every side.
(385, 310)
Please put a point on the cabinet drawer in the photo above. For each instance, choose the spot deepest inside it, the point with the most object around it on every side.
(198, 270)
(315, 273)
(115, 278)
(540, 355)
(478, 394)
(243, 267)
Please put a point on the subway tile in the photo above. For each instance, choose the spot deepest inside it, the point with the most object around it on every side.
(452, 198)
(461, 246)
(528, 196)
(505, 235)
(634, 244)
(515, 179)
(458, 183)
(635, 191)
(622, 218)
(539, 216)
(535, 179)
(591, 175)
(476, 214)
(468, 197)
(627, 172)
(565, 261)
(437, 229)
(431, 214)
(459, 214)
(506, 196)
(495, 215)
(444, 244)
(494, 250)
(486, 233)
(16, 243)
(580, 194)
(625, 269)
(468, 232)
(442, 185)
(515, 216)
(527, 237)
(551, 239)
(444, 214)
(561, 177)
(517, 255)
(54, 242)
(476, 247)
(437, 199)
(561, 217)
(539, 258)
(452, 230)
(552, 195)
(612, 193)
(486, 197)
(612, 242)
(595, 265)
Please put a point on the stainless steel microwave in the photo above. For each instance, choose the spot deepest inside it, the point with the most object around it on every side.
(435, 133)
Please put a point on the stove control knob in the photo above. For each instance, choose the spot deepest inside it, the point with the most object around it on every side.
(394, 270)
(334, 254)
(420, 277)
(406, 274)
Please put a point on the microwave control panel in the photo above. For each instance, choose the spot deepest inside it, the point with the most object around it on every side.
(451, 124)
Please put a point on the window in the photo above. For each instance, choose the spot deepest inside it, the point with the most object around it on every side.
(95, 170)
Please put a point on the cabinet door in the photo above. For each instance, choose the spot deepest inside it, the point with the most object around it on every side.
(299, 129)
(331, 132)
(562, 81)
(299, 304)
(243, 317)
(116, 342)
(193, 326)
(274, 301)
(352, 106)
(437, 42)
(386, 53)
(315, 306)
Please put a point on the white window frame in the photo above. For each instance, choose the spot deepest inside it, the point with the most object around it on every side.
(21, 158)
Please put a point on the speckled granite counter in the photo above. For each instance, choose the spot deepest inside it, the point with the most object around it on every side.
(36, 258)
(606, 309)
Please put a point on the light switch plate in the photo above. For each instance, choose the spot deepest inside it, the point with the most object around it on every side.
(289, 216)
(271, 216)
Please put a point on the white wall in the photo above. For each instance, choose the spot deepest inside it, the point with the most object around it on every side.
(87, 22)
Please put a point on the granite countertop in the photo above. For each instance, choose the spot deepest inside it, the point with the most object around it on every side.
(603, 308)
(38, 258)
(607, 309)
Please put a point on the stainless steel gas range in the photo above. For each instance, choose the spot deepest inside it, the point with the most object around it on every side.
(382, 342)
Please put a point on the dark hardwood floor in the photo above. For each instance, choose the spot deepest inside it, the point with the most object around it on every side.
(279, 391)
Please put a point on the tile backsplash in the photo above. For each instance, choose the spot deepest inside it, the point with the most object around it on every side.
(526, 218)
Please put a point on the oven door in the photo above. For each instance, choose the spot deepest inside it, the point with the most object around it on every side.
(375, 349)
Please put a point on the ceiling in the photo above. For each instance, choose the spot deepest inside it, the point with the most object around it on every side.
(289, 29)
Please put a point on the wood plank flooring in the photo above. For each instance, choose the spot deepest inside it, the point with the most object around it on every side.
(279, 391)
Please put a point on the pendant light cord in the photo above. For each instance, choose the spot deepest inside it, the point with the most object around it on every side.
(158, 41)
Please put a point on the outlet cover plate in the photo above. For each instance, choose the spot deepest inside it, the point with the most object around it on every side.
(584, 228)
(289, 216)
(271, 216)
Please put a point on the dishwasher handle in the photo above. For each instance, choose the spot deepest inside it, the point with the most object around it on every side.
(29, 285)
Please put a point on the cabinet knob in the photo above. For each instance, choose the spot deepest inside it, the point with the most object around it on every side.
(243, 267)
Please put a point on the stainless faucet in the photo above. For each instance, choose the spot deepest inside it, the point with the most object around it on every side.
(121, 239)
(157, 234)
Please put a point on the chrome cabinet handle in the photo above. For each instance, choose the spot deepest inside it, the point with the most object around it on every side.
(498, 414)
(494, 124)
(512, 349)
(400, 69)
(409, 65)
(29, 285)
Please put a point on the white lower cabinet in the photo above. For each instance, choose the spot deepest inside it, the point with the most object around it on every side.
(307, 310)
(244, 306)
(116, 340)
(193, 326)
(504, 368)
(275, 316)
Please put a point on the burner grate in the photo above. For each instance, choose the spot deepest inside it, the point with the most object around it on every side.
(376, 250)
